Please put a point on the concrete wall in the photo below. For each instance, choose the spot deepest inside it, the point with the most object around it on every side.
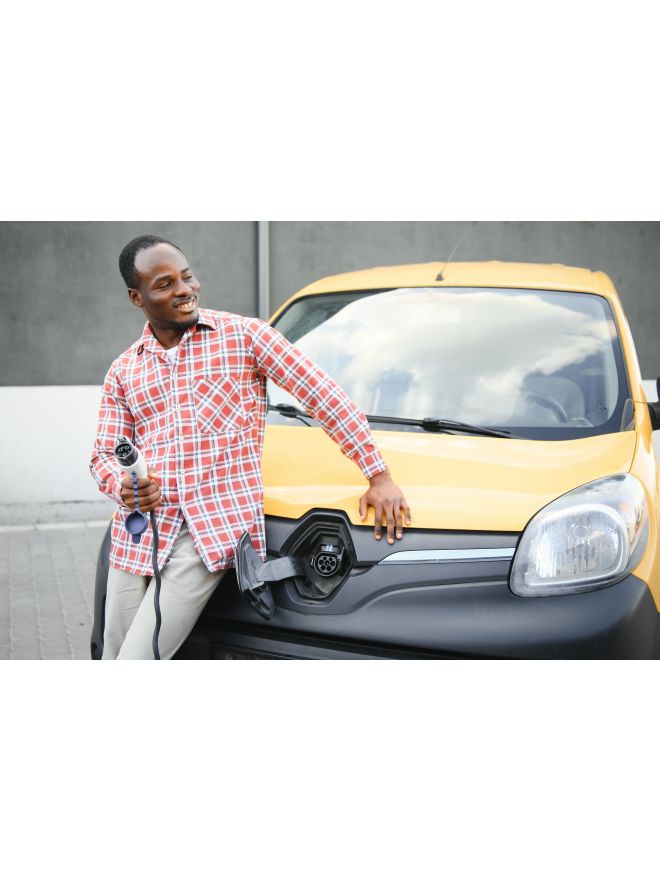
(66, 314)
(628, 252)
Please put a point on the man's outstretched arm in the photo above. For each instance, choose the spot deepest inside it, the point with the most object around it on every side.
(341, 419)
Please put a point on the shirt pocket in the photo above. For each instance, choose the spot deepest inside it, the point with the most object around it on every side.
(218, 405)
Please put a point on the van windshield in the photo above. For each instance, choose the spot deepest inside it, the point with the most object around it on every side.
(544, 364)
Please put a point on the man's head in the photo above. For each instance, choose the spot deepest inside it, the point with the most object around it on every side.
(160, 282)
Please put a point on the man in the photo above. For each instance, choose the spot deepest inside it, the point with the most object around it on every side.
(191, 395)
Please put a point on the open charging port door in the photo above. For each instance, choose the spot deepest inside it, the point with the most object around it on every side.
(254, 576)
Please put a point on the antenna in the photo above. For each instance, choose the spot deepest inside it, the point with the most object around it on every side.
(439, 276)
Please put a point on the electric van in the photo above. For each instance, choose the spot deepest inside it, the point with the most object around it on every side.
(508, 403)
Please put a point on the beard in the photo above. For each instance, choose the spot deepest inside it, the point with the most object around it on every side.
(183, 324)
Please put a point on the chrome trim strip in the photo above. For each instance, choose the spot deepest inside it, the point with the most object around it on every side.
(411, 556)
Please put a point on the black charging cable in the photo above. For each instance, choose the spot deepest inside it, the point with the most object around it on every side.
(154, 559)
(136, 523)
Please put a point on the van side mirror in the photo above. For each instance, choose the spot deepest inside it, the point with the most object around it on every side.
(654, 409)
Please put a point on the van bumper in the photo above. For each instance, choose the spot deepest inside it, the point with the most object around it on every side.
(477, 620)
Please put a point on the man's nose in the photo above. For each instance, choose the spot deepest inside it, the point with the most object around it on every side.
(184, 288)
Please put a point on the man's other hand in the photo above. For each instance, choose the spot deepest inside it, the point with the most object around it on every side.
(387, 500)
(148, 492)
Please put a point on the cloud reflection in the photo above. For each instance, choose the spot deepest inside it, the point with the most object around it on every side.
(466, 355)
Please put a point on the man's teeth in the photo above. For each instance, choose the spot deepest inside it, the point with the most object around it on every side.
(187, 306)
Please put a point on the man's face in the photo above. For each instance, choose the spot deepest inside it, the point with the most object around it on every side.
(168, 292)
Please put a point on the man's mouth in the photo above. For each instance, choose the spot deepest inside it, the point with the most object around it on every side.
(186, 305)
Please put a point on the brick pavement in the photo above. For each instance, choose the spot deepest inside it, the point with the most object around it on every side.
(47, 576)
(46, 603)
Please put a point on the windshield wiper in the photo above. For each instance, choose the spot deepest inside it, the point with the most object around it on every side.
(447, 425)
(291, 412)
(442, 425)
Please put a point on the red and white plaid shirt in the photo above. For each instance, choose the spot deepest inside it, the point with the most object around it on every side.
(199, 423)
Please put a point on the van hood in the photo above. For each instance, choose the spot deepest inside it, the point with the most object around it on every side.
(450, 481)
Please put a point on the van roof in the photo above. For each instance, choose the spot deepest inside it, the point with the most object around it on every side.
(493, 273)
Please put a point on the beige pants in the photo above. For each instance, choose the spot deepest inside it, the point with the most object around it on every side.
(130, 617)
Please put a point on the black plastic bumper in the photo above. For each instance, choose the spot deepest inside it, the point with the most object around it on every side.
(478, 620)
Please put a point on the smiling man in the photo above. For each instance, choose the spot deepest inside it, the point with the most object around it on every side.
(191, 395)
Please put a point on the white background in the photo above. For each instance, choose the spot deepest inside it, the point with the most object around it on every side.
(362, 111)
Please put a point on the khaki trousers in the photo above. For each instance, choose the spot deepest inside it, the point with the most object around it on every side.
(130, 617)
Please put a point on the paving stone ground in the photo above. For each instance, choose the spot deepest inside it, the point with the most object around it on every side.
(46, 601)
(47, 576)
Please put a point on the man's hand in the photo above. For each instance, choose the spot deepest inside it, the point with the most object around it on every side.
(388, 501)
(148, 492)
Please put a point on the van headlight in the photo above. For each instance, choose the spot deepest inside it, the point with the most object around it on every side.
(587, 539)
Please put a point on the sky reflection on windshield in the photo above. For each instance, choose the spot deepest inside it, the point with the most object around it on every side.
(484, 356)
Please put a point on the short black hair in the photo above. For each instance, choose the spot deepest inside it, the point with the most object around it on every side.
(131, 250)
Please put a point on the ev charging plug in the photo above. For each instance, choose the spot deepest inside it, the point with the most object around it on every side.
(132, 462)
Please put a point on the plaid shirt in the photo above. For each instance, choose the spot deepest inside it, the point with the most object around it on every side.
(199, 423)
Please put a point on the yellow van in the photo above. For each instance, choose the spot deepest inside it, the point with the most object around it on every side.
(508, 403)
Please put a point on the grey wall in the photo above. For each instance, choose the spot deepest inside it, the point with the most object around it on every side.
(65, 308)
(66, 313)
(628, 252)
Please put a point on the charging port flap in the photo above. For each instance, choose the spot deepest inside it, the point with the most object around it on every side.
(252, 587)
(253, 575)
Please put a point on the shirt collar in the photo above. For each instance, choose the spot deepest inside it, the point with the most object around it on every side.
(148, 341)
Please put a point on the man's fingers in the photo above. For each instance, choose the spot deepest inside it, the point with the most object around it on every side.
(127, 481)
(144, 487)
(398, 519)
(149, 499)
(146, 504)
(378, 520)
(147, 508)
(149, 489)
(390, 510)
(146, 495)
(390, 526)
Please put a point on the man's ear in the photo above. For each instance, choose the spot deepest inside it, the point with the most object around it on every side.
(135, 297)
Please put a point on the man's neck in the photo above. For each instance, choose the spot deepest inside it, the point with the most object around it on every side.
(168, 338)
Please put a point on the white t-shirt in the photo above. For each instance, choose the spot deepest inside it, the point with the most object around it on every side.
(171, 353)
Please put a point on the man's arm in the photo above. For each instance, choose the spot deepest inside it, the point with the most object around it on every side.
(341, 419)
(115, 420)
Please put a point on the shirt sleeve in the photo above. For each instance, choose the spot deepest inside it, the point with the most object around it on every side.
(115, 420)
(318, 394)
